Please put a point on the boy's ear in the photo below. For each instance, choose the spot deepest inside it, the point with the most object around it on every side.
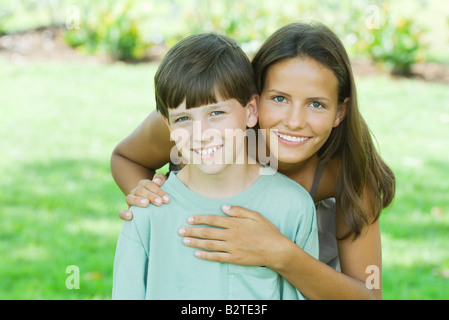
(252, 111)
(341, 112)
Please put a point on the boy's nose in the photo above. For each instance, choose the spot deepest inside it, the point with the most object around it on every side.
(203, 133)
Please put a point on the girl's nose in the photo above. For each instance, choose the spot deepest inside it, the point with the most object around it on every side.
(295, 117)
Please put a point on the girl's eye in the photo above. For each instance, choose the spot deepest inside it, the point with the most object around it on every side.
(316, 105)
(279, 99)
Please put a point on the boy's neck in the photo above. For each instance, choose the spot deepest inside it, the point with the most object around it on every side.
(227, 183)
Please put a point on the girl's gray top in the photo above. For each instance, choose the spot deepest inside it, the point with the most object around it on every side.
(325, 212)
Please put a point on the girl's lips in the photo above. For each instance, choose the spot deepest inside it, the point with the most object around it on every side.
(292, 139)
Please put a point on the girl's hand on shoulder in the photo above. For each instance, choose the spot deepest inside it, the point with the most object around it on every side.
(245, 237)
(146, 192)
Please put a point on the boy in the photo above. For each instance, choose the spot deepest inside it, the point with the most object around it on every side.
(205, 92)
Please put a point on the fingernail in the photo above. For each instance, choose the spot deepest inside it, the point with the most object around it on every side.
(165, 198)
(157, 180)
(197, 253)
(158, 200)
(144, 201)
(182, 231)
(226, 207)
(186, 241)
(190, 220)
(128, 215)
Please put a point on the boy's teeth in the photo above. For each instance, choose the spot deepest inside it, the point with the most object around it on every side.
(207, 151)
(290, 138)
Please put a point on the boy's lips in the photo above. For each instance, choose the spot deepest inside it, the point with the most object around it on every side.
(292, 139)
(208, 152)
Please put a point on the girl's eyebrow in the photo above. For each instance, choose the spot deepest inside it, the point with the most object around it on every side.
(278, 92)
(319, 98)
(287, 95)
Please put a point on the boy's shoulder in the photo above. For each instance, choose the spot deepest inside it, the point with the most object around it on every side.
(285, 187)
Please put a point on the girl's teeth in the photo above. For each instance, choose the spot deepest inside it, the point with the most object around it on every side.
(292, 139)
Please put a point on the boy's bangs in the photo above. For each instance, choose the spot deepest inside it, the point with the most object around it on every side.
(205, 89)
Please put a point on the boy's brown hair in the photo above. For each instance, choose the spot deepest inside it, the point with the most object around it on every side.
(200, 67)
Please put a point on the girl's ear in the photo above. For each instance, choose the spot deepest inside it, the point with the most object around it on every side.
(252, 111)
(342, 111)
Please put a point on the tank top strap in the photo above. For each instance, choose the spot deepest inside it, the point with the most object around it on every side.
(317, 178)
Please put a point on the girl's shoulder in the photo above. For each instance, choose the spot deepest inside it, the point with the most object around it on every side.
(327, 187)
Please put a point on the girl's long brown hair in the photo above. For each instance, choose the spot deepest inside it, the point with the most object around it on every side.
(351, 141)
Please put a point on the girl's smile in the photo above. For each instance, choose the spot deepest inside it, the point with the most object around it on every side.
(291, 139)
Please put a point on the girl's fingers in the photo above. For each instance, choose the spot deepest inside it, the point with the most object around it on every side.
(216, 249)
(133, 200)
(212, 245)
(147, 192)
(211, 220)
(240, 212)
(151, 187)
(236, 216)
(214, 256)
(126, 215)
(203, 233)
(159, 178)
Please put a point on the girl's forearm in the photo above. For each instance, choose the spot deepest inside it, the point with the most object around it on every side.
(127, 173)
(318, 281)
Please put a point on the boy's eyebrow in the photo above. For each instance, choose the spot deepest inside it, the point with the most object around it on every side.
(218, 105)
(209, 107)
(175, 114)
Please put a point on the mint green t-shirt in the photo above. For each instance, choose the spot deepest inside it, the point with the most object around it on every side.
(151, 262)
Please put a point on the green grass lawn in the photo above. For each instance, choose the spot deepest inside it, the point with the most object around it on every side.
(59, 205)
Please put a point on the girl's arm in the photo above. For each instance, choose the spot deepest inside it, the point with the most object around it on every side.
(249, 239)
(148, 146)
(360, 276)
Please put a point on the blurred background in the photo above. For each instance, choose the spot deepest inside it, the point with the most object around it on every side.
(76, 77)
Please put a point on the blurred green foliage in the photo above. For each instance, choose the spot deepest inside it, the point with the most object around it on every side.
(389, 32)
(115, 32)
(394, 42)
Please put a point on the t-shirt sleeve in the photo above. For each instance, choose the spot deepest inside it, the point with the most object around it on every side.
(130, 264)
(307, 236)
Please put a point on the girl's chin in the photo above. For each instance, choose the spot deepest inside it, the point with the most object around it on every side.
(289, 157)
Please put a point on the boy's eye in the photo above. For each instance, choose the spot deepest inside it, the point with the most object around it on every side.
(279, 99)
(216, 113)
(182, 119)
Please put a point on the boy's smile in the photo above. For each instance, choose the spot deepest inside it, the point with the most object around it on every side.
(207, 153)
(211, 137)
